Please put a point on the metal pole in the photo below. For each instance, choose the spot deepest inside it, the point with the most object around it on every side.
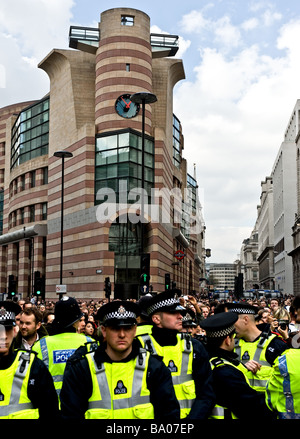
(143, 98)
(143, 175)
(62, 155)
(62, 216)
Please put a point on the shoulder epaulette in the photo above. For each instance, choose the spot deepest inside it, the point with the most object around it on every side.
(217, 362)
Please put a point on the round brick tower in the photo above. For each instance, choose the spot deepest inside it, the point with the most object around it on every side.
(123, 66)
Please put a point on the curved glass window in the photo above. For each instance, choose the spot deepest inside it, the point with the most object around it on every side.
(30, 133)
(125, 242)
(119, 157)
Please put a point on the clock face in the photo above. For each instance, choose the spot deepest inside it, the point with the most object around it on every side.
(125, 107)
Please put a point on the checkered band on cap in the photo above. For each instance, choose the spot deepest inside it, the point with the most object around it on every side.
(120, 313)
(6, 315)
(222, 332)
(241, 310)
(164, 303)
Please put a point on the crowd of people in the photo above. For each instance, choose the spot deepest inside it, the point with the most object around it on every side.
(269, 310)
(171, 356)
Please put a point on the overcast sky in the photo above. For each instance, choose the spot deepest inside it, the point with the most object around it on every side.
(242, 66)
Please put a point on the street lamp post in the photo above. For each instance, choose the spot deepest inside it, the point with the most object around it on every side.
(62, 155)
(143, 98)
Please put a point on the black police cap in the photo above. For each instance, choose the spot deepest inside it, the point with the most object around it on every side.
(241, 308)
(219, 325)
(165, 302)
(118, 313)
(8, 312)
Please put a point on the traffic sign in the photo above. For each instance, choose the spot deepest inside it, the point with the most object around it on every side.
(61, 288)
(179, 254)
(144, 289)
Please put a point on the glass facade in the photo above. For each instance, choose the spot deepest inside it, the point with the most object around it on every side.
(119, 157)
(192, 186)
(177, 147)
(189, 205)
(125, 242)
(30, 133)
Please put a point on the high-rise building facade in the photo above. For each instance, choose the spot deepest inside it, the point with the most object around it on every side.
(126, 163)
(222, 276)
(265, 230)
(284, 175)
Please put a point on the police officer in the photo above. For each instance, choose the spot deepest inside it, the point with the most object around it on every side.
(235, 398)
(185, 356)
(119, 379)
(188, 322)
(55, 349)
(283, 390)
(144, 325)
(256, 349)
(26, 386)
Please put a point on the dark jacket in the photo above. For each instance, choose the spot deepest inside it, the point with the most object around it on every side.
(40, 391)
(202, 375)
(77, 385)
(42, 332)
(233, 392)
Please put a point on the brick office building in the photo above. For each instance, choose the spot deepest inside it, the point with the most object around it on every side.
(85, 114)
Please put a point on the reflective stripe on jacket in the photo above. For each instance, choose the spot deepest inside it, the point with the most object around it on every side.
(55, 350)
(179, 360)
(283, 388)
(218, 411)
(14, 402)
(120, 389)
(255, 351)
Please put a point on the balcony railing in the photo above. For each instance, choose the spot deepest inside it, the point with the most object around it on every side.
(84, 38)
(164, 44)
(87, 39)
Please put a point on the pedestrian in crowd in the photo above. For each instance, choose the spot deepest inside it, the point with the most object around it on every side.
(263, 303)
(274, 305)
(21, 303)
(185, 357)
(263, 320)
(256, 349)
(31, 328)
(119, 380)
(293, 326)
(205, 310)
(280, 322)
(90, 329)
(26, 386)
(41, 308)
(190, 302)
(27, 303)
(55, 349)
(48, 318)
(296, 308)
(235, 398)
(81, 325)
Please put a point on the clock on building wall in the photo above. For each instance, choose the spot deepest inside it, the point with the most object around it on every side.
(125, 107)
